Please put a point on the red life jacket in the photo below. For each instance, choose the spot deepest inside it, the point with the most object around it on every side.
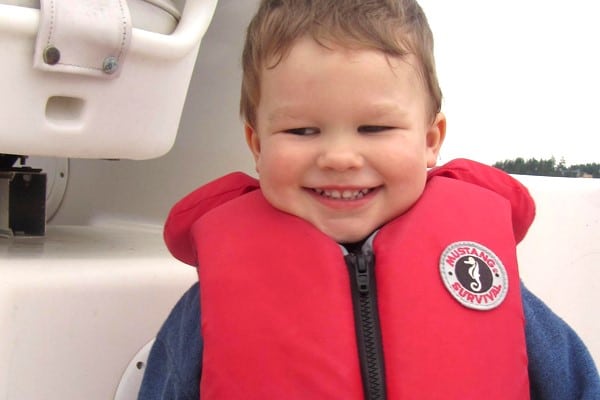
(277, 308)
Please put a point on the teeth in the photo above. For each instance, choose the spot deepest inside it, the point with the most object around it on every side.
(343, 194)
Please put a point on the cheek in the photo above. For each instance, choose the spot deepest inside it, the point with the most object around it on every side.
(270, 162)
(400, 162)
(276, 169)
(280, 158)
(404, 175)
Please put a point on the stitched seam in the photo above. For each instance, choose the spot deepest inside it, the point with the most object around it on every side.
(79, 66)
(51, 28)
(120, 48)
(124, 35)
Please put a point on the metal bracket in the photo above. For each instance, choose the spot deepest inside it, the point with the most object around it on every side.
(22, 202)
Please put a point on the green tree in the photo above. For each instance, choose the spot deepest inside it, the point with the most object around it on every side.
(547, 167)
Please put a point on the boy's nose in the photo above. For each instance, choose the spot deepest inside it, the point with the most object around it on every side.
(340, 157)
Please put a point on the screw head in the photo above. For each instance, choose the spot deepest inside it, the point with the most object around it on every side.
(110, 65)
(51, 55)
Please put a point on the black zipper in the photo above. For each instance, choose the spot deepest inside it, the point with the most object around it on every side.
(366, 317)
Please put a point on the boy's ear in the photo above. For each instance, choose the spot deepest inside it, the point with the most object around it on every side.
(435, 138)
(253, 142)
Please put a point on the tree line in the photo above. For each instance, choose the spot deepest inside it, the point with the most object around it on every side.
(548, 167)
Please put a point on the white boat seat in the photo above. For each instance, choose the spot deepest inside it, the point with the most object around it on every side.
(159, 16)
(133, 114)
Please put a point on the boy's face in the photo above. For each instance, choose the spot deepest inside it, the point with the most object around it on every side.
(343, 138)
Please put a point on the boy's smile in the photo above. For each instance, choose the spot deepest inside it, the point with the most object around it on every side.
(343, 137)
(342, 193)
(343, 198)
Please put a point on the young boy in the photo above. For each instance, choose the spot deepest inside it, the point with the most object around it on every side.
(349, 270)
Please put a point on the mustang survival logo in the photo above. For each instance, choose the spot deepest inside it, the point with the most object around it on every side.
(474, 275)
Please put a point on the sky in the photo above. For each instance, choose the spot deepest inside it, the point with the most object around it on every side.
(520, 78)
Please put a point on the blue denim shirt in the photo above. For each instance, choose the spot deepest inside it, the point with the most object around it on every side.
(560, 366)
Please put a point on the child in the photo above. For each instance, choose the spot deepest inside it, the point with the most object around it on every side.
(349, 270)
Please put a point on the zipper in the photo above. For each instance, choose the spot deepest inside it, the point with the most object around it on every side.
(361, 267)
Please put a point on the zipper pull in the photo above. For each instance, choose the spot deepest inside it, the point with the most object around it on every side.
(363, 280)
(361, 264)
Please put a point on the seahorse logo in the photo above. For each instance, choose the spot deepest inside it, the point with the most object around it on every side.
(474, 273)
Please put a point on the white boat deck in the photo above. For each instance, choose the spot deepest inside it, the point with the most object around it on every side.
(77, 305)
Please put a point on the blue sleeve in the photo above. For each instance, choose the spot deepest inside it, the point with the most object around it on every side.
(175, 361)
(560, 366)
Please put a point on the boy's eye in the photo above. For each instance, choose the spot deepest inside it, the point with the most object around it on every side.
(373, 128)
(302, 131)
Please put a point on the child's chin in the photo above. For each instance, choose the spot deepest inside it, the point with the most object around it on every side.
(347, 236)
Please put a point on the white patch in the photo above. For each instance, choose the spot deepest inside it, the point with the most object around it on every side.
(474, 275)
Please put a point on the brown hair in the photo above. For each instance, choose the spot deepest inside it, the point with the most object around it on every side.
(396, 27)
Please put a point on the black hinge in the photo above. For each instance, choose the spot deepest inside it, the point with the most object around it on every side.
(368, 330)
